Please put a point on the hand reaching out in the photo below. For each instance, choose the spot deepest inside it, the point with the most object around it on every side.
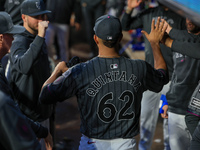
(166, 40)
(60, 68)
(155, 37)
(168, 27)
(49, 142)
(133, 4)
(157, 31)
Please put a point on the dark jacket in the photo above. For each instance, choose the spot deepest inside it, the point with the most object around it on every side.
(40, 131)
(4, 86)
(143, 20)
(185, 76)
(15, 132)
(29, 69)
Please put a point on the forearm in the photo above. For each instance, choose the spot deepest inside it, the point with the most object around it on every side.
(58, 71)
(126, 21)
(168, 42)
(178, 34)
(159, 62)
(190, 49)
(22, 54)
(128, 10)
(53, 77)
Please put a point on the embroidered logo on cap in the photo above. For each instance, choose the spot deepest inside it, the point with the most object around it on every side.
(109, 38)
(38, 5)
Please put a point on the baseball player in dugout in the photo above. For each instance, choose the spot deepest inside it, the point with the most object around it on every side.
(29, 64)
(14, 127)
(24, 131)
(108, 87)
(151, 100)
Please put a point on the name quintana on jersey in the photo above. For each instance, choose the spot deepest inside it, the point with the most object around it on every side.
(109, 77)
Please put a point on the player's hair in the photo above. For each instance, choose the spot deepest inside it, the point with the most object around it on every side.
(109, 44)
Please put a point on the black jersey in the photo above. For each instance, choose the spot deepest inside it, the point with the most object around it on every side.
(109, 92)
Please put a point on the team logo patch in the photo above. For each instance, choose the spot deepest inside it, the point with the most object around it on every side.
(38, 6)
(67, 73)
(195, 102)
(113, 66)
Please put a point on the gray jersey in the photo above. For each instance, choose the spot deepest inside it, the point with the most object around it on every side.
(109, 92)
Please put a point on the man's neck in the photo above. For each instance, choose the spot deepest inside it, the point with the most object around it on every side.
(108, 56)
(110, 53)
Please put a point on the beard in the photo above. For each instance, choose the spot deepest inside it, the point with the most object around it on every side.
(32, 26)
(192, 28)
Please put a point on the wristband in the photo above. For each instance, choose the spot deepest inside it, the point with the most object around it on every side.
(128, 11)
(163, 98)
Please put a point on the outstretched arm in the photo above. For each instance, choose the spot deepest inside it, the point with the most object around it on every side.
(155, 37)
(131, 4)
(176, 42)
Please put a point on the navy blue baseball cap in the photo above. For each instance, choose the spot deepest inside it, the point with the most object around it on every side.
(6, 25)
(34, 8)
(108, 28)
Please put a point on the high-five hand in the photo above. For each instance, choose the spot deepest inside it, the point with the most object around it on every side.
(157, 31)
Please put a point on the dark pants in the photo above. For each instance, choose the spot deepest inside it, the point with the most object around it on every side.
(195, 143)
(90, 15)
(191, 122)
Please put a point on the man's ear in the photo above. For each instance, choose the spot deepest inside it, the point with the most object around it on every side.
(1, 41)
(1, 38)
(23, 17)
(96, 39)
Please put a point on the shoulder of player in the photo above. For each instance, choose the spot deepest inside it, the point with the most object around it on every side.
(77, 69)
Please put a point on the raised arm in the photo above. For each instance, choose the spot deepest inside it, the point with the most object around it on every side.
(176, 41)
(155, 36)
(131, 4)
(129, 22)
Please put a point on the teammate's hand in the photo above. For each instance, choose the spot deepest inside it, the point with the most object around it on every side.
(168, 27)
(77, 26)
(48, 142)
(133, 4)
(165, 109)
(157, 31)
(60, 68)
(42, 26)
